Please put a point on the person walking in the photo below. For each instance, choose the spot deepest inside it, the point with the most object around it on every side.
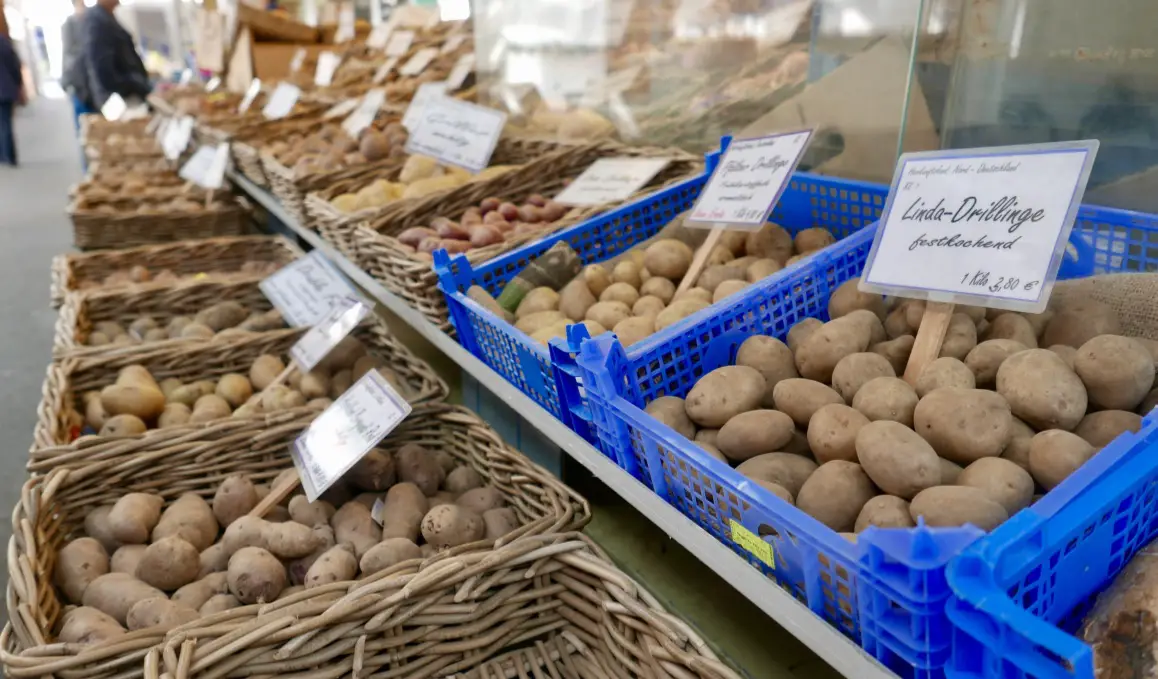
(11, 94)
(111, 58)
(74, 73)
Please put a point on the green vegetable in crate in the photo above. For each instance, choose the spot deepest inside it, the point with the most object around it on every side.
(553, 269)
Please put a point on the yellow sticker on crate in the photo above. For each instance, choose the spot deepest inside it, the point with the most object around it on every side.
(752, 543)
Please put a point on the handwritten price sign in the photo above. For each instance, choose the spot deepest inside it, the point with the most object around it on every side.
(987, 227)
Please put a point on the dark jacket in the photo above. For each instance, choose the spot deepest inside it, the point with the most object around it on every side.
(11, 79)
(72, 39)
(111, 59)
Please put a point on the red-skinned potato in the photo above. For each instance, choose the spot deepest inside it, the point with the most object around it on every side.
(449, 229)
(414, 236)
(454, 246)
(482, 236)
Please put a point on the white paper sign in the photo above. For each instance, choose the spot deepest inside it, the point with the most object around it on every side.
(321, 339)
(206, 168)
(749, 179)
(282, 101)
(399, 43)
(367, 109)
(177, 138)
(213, 84)
(346, 431)
(986, 227)
(250, 95)
(298, 61)
(306, 289)
(457, 133)
(378, 36)
(342, 109)
(345, 32)
(114, 107)
(452, 43)
(610, 180)
(163, 130)
(426, 92)
(458, 74)
(328, 63)
(383, 71)
(418, 63)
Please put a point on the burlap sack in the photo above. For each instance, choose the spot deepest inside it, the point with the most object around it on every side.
(1133, 295)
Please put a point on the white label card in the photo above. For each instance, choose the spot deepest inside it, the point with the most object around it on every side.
(457, 133)
(748, 180)
(378, 36)
(610, 180)
(321, 339)
(399, 43)
(342, 109)
(177, 137)
(383, 71)
(282, 101)
(306, 289)
(298, 61)
(460, 72)
(452, 43)
(328, 63)
(213, 84)
(114, 107)
(345, 32)
(986, 227)
(206, 168)
(250, 95)
(418, 63)
(346, 431)
(425, 93)
(364, 114)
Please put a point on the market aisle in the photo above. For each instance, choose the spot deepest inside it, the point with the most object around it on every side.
(33, 228)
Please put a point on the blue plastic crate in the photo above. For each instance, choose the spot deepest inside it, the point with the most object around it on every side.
(1020, 591)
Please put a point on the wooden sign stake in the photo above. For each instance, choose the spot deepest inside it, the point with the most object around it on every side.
(930, 337)
(700, 259)
(275, 497)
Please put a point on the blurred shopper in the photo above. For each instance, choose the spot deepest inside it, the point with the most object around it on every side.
(74, 72)
(11, 94)
(113, 65)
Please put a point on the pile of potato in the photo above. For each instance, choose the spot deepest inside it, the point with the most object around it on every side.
(491, 222)
(142, 274)
(330, 148)
(142, 565)
(636, 298)
(151, 205)
(137, 402)
(223, 320)
(420, 176)
(117, 184)
(1014, 404)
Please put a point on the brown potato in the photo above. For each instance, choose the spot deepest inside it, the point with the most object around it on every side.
(1080, 321)
(770, 242)
(659, 287)
(77, 564)
(854, 370)
(897, 460)
(1017, 450)
(887, 398)
(576, 298)
(1001, 480)
(727, 289)
(960, 338)
(724, 393)
(671, 410)
(169, 563)
(772, 358)
(648, 306)
(949, 471)
(678, 310)
(234, 388)
(539, 299)
(116, 593)
(810, 240)
(784, 469)
(897, 351)
(964, 425)
(802, 331)
(800, 398)
(597, 279)
(753, 433)
(1118, 372)
(123, 425)
(948, 506)
(832, 432)
(985, 358)
(848, 298)
(760, 269)
(1054, 454)
(868, 322)
(897, 322)
(633, 330)
(608, 314)
(451, 526)
(1042, 390)
(835, 494)
(884, 511)
(620, 292)
(1014, 327)
(818, 355)
(1104, 426)
(669, 258)
(944, 372)
(1067, 354)
(713, 276)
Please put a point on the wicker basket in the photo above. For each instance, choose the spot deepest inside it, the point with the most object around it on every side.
(53, 506)
(94, 128)
(247, 160)
(338, 227)
(212, 257)
(411, 276)
(92, 230)
(274, 27)
(59, 418)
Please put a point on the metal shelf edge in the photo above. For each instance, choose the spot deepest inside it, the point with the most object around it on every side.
(833, 647)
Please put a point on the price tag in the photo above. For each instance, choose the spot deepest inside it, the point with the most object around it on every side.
(114, 107)
(306, 289)
(345, 32)
(749, 179)
(987, 227)
(452, 43)
(383, 71)
(399, 43)
(328, 63)
(418, 63)
(458, 74)
(281, 102)
(752, 543)
(610, 180)
(346, 431)
(186, 77)
(342, 109)
(177, 137)
(361, 118)
(378, 36)
(206, 168)
(298, 61)
(457, 133)
(250, 95)
(425, 93)
(213, 84)
(321, 339)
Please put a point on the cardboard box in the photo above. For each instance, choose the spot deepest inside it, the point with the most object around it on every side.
(271, 60)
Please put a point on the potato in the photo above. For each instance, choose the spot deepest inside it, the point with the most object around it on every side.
(1102, 427)
(1118, 371)
(85, 625)
(1017, 450)
(481, 500)
(848, 297)
(896, 351)
(324, 539)
(984, 360)
(671, 410)
(620, 292)
(189, 518)
(137, 375)
(316, 513)
(1001, 480)
(867, 322)
(697, 294)
(404, 508)
(776, 489)
(770, 242)
(94, 412)
(1054, 454)
(669, 258)
(608, 314)
(708, 436)
(964, 425)
(648, 306)
(960, 338)
(661, 288)
(195, 594)
(854, 370)
(835, 494)
(197, 331)
(210, 407)
(144, 402)
(451, 526)
(810, 240)
(174, 415)
(1012, 327)
(754, 433)
(677, 311)
(772, 358)
(887, 398)
(626, 271)
(77, 564)
(337, 564)
(713, 452)
(387, 554)
(759, 269)
(221, 316)
(944, 372)
(884, 511)
(419, 466)
(897, 322)
(784, 469)
(727, 289)
(186, 395)
(219, 603)
(255, 575)
(832, 432)
(711, 277)
(315, 385)
(575, 299)
(158, 613)
(96, 526)
(532, 323)
(596, 278)
(123, 425)
(126, 558)
(116, 593)
(286, 540)
(133, 517)
(354, 525)
(376, 471)
(1042, 390)
(1079, 322)
(539, 299)
(235, 497)
(463, 479)
(957, 506)
(800, 399)
(633, 330)
(724, 393)
(265, 370)
(818, 355)
(897, 460)
(802, 331)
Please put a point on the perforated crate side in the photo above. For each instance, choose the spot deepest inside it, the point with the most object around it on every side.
(1019, 592)
(1109, 240)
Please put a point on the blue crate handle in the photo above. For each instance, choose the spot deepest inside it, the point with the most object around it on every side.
(1080, 262)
